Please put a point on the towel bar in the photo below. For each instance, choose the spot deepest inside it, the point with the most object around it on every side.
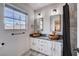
(17, 33)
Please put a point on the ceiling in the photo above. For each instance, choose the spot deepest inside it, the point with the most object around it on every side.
(36, 6)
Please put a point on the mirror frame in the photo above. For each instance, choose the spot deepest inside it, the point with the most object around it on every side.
(57, 21)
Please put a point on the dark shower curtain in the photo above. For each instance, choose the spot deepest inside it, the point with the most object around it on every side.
(66, 31)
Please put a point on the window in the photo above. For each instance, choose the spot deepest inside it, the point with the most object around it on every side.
(13, 18)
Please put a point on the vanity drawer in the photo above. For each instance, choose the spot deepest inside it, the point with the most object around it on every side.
(44, 42)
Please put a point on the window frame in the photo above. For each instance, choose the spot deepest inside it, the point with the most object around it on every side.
(14, 19)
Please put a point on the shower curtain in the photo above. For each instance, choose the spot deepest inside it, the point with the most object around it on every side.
(66, 31)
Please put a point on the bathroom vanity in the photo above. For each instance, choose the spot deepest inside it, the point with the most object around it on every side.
(46, 46)
(51, 45)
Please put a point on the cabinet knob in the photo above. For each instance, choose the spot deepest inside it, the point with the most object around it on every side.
(12, 34)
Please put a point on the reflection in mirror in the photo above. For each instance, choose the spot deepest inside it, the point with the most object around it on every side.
(55, 23)
(41, 24)
(38, 25)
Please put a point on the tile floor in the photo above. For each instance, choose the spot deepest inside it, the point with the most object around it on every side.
(33, 53)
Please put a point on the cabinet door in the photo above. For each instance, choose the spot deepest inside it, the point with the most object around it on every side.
(47, 50)
(45, 46)
(34, 43)
(57, 49)
(48, 47)
(53, 48)
(31, 43)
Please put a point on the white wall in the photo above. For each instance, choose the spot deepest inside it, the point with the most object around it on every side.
(15, 45)
(46, 12)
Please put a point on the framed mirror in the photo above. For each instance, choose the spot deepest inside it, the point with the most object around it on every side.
(55, 23)
(38, 24)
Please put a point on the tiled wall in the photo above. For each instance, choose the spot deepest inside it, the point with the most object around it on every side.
(73, 26)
